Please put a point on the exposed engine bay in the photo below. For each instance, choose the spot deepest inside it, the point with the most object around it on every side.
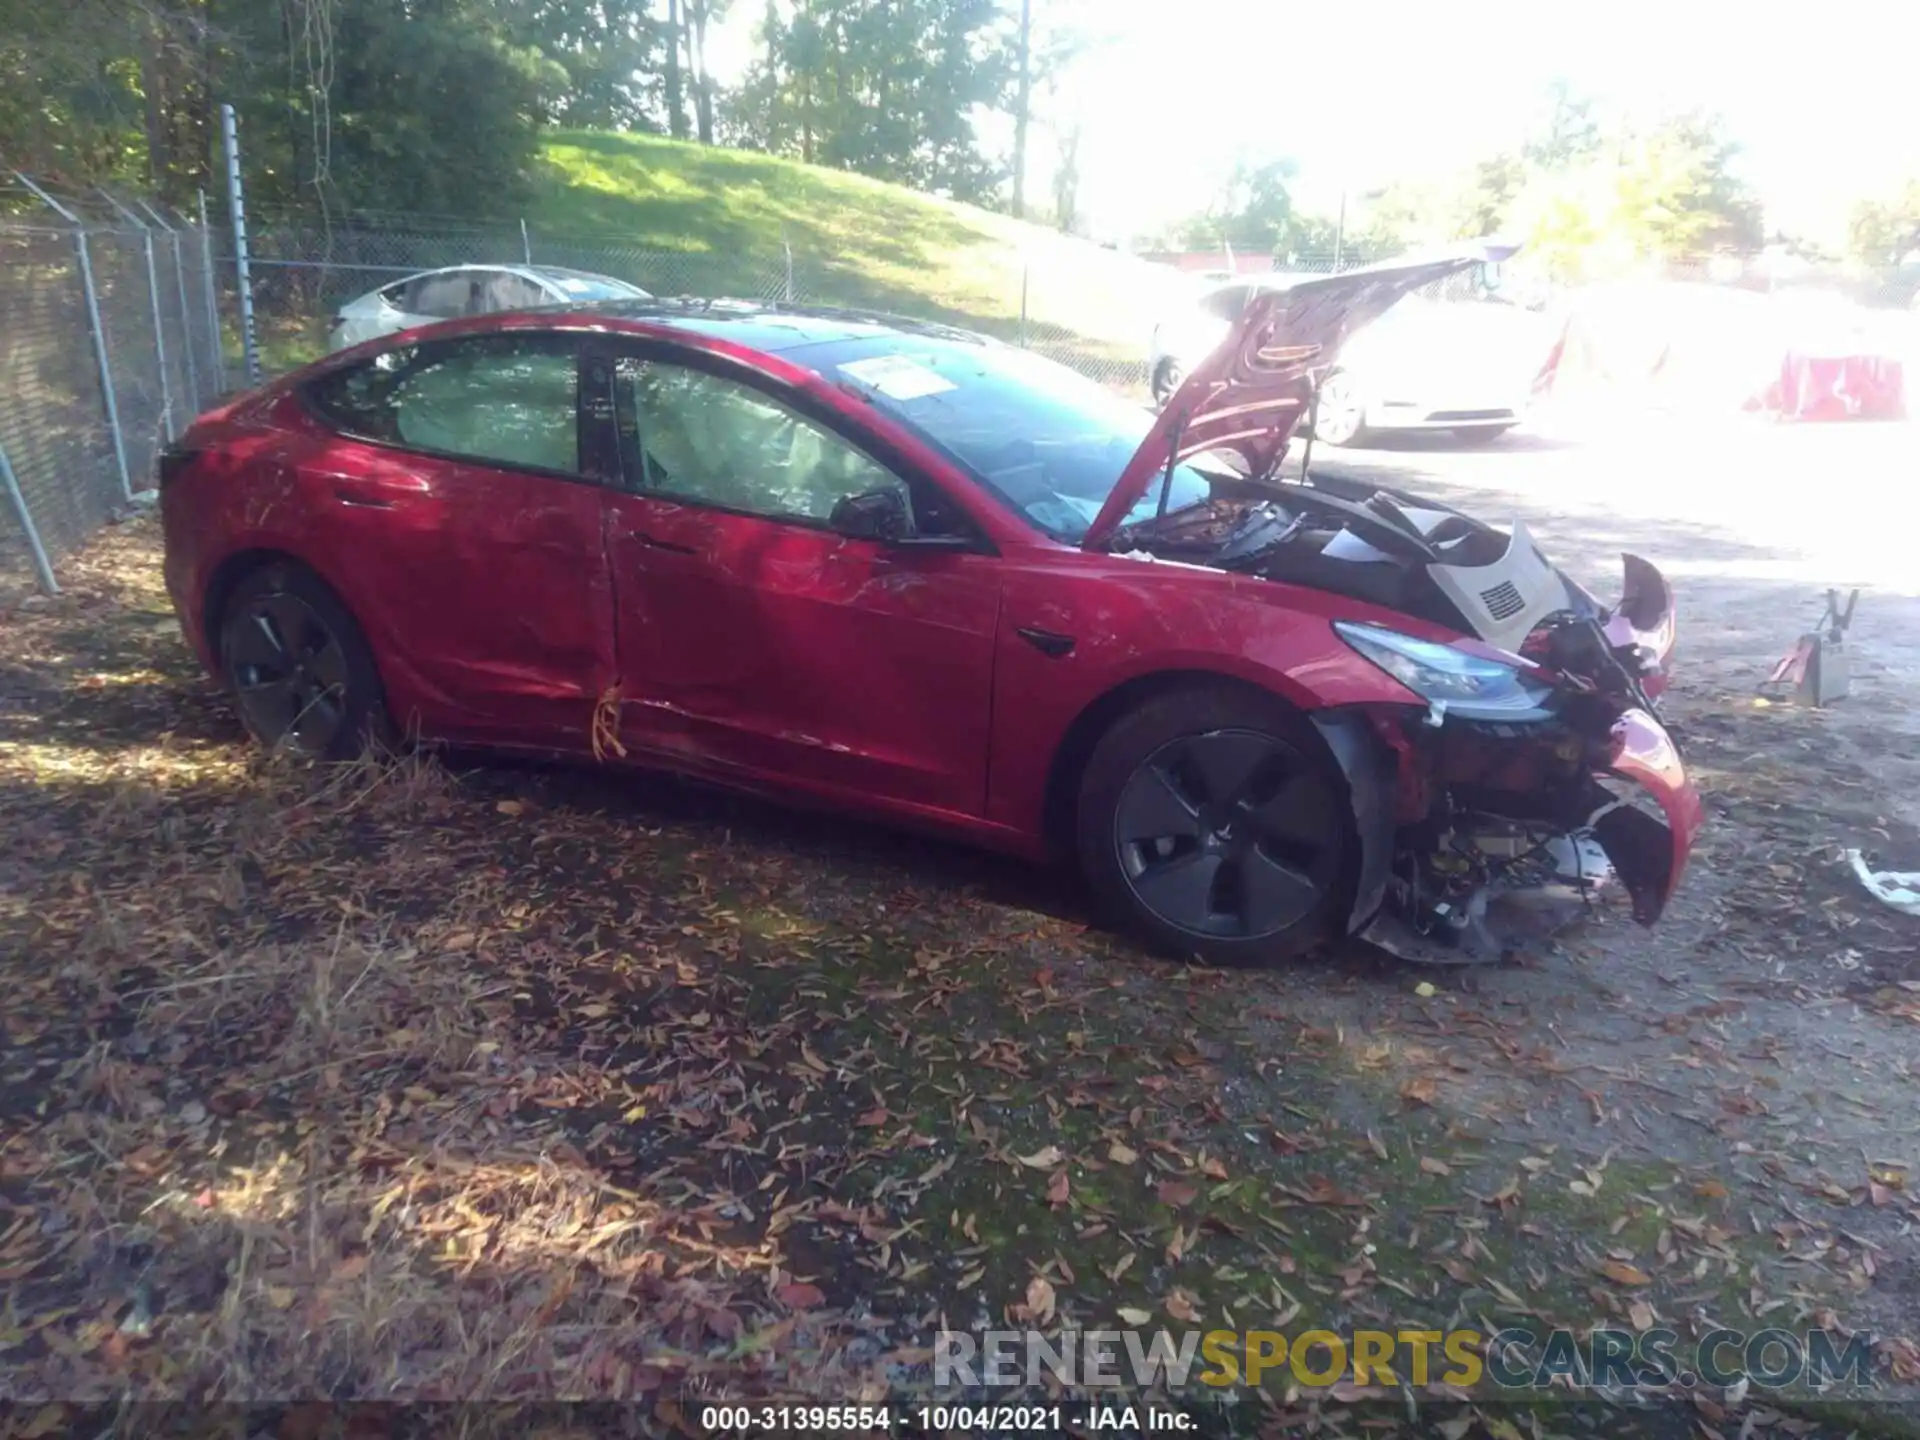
(1487, 823)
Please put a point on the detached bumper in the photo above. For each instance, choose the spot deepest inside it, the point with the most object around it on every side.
(1649, 856)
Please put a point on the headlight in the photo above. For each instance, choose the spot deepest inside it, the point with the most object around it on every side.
(1465, 685)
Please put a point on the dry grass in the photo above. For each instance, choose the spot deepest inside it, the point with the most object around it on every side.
(395, 1081)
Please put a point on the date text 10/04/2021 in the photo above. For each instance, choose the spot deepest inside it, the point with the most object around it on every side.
(938, 1419)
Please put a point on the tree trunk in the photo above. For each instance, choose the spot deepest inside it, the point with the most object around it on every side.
(702, 82)
(676, 112)
(1022, 104)
(154, 65)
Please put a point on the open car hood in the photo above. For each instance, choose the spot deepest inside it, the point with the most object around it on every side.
(1249, 394)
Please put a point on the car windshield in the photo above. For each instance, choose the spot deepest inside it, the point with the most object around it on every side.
(1045, 440)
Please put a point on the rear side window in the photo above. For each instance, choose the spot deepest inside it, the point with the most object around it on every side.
(510, 400)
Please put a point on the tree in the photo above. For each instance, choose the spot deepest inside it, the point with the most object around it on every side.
(887, 89)
(1886, 231)
(1022, 108)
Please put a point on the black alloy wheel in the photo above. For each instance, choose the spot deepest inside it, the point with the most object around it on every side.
(299, 670)
(1230, 838)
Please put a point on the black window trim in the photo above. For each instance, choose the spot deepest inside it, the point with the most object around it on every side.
(583, 422)
(614, 348)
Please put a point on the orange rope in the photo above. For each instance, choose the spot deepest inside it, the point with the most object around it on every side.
(606, 724)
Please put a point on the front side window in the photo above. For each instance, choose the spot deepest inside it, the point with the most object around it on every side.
(719, 442)
(445, 295)
(507, 291)
(509, 400)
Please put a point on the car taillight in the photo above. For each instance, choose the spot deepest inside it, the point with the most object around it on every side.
(173, 460)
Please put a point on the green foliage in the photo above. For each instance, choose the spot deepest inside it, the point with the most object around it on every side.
(888, 90)
(1886, 231)
(438, 105)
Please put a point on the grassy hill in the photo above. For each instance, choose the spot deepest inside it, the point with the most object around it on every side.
(722, 215)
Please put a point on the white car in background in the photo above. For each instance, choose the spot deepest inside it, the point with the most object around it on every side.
(458, 290)
(1463, 366)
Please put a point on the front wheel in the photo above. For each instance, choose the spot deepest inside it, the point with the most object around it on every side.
(1167, 376)
(1213, 823)
(300, 672)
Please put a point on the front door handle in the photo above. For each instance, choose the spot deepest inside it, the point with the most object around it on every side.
(653, 542)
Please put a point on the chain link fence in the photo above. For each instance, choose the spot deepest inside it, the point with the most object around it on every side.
(112, 333)
(108, 346)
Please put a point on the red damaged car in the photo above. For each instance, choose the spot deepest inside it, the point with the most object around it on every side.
(908, 572)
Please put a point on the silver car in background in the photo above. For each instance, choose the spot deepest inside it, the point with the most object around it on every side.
(458, 290)
(1464, 366)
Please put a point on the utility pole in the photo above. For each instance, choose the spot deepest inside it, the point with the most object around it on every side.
(1021, 106)
(1340, 231)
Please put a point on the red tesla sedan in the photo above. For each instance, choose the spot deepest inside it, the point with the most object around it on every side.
(910, 572)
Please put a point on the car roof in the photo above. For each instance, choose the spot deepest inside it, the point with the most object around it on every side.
(770, 327)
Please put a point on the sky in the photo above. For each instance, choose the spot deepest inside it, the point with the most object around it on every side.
(1822, 97)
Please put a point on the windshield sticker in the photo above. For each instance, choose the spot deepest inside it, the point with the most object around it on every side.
(897, 377)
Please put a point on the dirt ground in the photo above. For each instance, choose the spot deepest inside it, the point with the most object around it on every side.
(437, 1079)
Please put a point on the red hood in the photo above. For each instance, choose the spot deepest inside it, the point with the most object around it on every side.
(1250, 393)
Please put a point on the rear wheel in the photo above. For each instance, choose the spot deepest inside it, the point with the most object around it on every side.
(1213, 822)
(300, 672)
(1340, 416)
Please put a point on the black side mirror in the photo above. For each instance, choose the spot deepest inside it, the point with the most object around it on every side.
(873, 515)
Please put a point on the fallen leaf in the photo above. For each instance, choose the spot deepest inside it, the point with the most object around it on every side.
(1425, 990)
(280, 1297)
(1177, 1193)
(799, 1295)
(1039, 1299)
(510, 807)
(1420, 1090)
(1431, 1166)
(1134, 1319)
(1180, 1306)
(1622, 1273)
(1640, 1313)
(1213, 1169)
(1122, 1155)
(1058, 1189)
(1043, 1159)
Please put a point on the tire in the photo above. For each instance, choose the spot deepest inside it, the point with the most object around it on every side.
(1479, 434)
(297, 666)
(1167, 376)
(1341, 418)
(1257, 859)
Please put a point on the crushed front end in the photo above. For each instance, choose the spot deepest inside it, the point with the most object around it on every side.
(1491, 821)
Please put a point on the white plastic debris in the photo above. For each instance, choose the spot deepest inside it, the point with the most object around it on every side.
(1901, 890)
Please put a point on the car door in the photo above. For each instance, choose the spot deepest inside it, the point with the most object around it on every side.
(458, 503)
(755, 639)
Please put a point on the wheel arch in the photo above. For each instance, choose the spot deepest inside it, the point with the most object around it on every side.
(1077, 744)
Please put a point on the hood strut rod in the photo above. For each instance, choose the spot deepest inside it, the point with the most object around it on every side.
(1173, 458)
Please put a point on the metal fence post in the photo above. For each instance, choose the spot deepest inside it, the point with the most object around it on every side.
(526, 242)
(180, 289)
(236, 203)
(1025, 269)
(94, 328)
(214, 344)
(41, 565)
(788, 249)
(153, 304)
